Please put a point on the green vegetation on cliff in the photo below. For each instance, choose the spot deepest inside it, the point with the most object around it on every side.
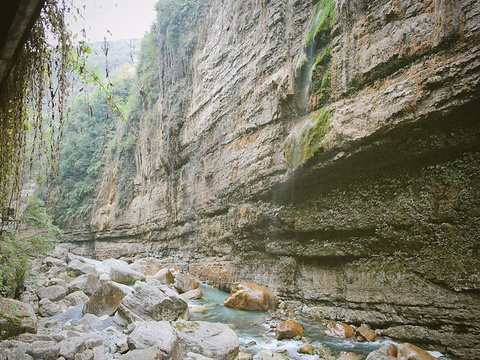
(298, 150)
(322, 20)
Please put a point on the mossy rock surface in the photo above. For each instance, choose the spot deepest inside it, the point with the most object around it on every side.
(16, 317)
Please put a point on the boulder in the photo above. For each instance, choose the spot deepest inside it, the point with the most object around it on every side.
(69, 347)
(157, 334)
(390, 350)
(106, 299)
(267, 355)
(47, 308)
(378, 355)
(192, 295)
(366, 334)
(152, 301)
(306, 349)
(79, 267)
(245, 356)
(408, 351)
(44, 350)
(183, 283)
(213, 340)
(77, 298)
(16, 317)
(125, 275)
(251, 297)
(349, 356)
(164, 276)
(147, 266)
(51, 261)
(288, 330)
(199, 309)
(105, 267)
(193, 356)
(87, 283)
(325, 353)
(52, 293)
(143, 354)
(56, 281)
(340, 330)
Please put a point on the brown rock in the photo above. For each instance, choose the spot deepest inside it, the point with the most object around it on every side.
(390, 350)
(251, 297)
(340, 330)
(306, 349)
(408, 351)
(183, 283)
(288, 330)
(367, 334)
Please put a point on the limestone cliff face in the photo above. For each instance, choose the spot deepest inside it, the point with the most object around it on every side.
(356, 193)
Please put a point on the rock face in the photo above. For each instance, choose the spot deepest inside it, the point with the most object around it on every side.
(359, 197)
(251, 297)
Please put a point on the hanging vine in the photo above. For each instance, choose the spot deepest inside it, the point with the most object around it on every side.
(32, 102)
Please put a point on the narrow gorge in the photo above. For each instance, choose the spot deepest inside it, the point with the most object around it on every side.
(328, 151)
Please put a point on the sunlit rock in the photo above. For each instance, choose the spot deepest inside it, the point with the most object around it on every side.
(251, 297)
(288, 330)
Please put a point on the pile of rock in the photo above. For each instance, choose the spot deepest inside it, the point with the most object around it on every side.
(76, 308)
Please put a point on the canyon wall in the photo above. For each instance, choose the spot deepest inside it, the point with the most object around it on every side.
(353, 189)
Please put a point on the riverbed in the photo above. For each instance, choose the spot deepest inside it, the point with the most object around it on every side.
(255, 334)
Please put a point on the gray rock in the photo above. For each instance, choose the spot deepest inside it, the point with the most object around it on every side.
(17, 317)
(184, 283)
(87, 283)
(106, 299)
(27, 357)
(192, 295)
(51, 261)
(47, 308)
(77, 298)
(157, 334)
(125, 275)
(79, 267)
(143, 354)
(193, 356)
(52, 293)
(152, 301)
(69, 347)
(44, 350)
(164, 276)
(212, 340)
(90, 321)
(56, 281)
(86, 355)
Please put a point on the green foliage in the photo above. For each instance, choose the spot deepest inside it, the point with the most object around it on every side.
(91, 131)
(36, 235)
(176, 17)
(299, 150)
(322, 20)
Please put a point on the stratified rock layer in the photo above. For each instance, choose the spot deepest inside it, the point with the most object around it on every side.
(379, 225)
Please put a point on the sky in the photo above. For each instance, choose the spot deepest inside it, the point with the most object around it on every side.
(114, 19)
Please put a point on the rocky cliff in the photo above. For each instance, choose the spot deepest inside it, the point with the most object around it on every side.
(328, 151)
